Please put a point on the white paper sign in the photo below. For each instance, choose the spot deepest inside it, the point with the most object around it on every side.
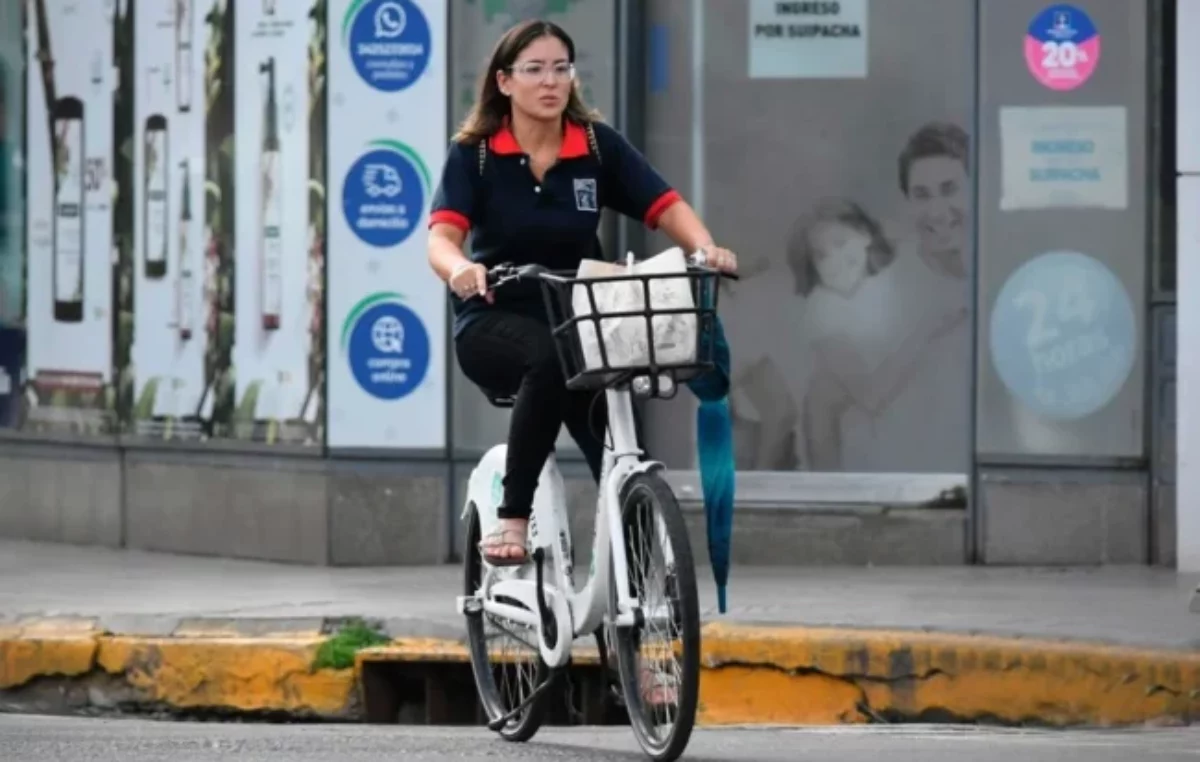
(808, 39)
(1063, 156)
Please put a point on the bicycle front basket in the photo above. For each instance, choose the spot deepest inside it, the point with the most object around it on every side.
(611, 329)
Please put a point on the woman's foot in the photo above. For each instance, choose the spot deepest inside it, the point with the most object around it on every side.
(507, 545)
(658, 691)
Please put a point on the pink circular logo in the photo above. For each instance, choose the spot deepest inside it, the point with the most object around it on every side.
(1062, 47)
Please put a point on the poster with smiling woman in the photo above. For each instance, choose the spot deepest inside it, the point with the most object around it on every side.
(876, 294)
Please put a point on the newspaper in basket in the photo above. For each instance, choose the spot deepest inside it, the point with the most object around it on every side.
(625, 342)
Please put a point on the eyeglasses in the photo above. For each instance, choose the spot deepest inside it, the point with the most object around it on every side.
(535, 71)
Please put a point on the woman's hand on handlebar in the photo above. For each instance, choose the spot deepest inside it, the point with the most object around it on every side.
(718, 258)
(470, 279)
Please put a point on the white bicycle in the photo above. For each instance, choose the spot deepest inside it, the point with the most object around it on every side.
(641, 587)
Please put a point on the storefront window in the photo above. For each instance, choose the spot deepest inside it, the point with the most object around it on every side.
(12, 206)
(12, 213)
(839, 169)
(1062, 264)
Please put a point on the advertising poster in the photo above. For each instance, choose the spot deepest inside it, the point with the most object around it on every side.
(1064, 156)
(278, 282)
(387, 143)
(1062, 47)
(808, 40)
(69, 380)
(167, 262)
(1064, 335)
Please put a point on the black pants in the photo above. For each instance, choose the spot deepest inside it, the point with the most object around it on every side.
(506, 354)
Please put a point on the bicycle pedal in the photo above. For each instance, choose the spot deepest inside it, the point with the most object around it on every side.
(469, 605)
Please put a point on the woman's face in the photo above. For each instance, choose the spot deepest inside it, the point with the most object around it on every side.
(840, 256)
(540, 80)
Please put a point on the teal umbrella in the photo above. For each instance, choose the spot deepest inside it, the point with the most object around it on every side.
(714, 443)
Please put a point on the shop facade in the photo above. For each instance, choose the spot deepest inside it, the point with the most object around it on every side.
(953, 338)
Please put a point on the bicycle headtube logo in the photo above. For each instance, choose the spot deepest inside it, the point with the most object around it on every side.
(386, 346)
(384, 193)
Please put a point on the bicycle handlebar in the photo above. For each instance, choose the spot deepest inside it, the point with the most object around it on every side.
(507, 273)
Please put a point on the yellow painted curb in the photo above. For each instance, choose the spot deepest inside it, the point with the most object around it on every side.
(245, 674)
(750, 675)
(190, 673)
(23, 659)
(769, 675)
(816, 676)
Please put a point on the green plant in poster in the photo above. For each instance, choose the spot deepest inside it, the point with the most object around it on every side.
(123, 158)
(217, 402)
(312, 414)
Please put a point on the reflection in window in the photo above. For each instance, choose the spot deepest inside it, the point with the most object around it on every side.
(11, 195)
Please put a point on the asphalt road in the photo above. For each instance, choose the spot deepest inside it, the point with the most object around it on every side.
(45, 739)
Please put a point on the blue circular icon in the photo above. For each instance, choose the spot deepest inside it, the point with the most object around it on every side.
(383, 198)
(390, 43)
(1063, 335)
(389, 351)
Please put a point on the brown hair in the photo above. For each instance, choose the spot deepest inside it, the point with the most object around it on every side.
(800, 253)
(492, 107)
(934, 139)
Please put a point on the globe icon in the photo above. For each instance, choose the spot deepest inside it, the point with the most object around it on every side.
(387, 334)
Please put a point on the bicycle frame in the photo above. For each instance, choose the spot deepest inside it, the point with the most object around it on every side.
(577, 611)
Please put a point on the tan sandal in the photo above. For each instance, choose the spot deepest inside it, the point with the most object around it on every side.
(658, 690)
(498, 540)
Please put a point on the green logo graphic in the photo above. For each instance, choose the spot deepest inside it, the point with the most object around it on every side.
(408, 152)
(497, 488)
(366, 303)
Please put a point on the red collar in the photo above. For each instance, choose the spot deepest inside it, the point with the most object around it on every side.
(574, 144)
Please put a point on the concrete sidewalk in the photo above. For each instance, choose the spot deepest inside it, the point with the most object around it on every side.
(1106, 646)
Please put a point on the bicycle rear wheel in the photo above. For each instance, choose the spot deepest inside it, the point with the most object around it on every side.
(505, 659)
(659, 660)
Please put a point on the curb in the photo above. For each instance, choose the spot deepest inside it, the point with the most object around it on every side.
(60, 666)
(752, 675)
(775, 675)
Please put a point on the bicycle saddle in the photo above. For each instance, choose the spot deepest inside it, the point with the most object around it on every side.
(500, 399)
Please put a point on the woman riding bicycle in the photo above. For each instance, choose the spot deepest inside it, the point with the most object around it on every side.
(527, 175)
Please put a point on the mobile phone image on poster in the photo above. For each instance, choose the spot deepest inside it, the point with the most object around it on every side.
(67, 264)
(70, 216)
(169, 163)
(272, 344)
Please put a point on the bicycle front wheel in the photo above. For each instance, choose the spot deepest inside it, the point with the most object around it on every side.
(505, 659)
(658, 660)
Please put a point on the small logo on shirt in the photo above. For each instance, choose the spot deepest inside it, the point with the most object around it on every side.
(585, 195)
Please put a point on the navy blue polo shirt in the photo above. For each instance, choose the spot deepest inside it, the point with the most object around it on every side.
(513, 218)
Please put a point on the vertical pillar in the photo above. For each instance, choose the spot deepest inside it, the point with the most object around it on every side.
(1187, 535)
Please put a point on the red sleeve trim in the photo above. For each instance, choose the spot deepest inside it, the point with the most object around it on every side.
(450, 217)
(660, 205)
